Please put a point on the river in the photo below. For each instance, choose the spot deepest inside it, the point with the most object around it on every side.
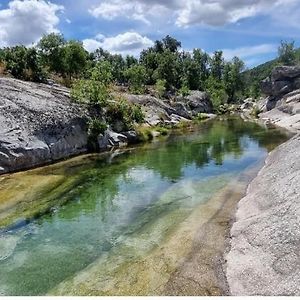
(149, 220)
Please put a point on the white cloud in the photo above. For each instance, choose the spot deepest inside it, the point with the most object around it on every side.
(250, 55)
(192, 12)
(246, 52)
(125, 43)
(24, 22)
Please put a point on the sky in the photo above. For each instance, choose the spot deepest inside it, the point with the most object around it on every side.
(250, 29)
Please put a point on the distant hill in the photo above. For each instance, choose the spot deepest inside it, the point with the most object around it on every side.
(254, 76)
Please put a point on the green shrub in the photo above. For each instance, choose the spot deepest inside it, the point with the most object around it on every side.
(136, 76)
(160, 87)
(144, 133)
(184, 91)
(95, 127)
(125, 112)
(95, 90)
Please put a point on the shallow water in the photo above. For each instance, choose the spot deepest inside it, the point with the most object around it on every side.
(97, 224)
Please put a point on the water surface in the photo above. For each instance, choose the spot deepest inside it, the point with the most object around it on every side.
(100, 224)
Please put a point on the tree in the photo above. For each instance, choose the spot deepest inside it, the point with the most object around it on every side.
(96, 89)
(74, 58)
(233, 80)
(217, 65)
(136, 76)
(168, 69)
(171, 44)
(202, 60)
(287, 52)
(51, 48)
(24, 63)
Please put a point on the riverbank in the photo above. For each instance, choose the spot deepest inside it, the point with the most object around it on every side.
(264, 240)
(40, 124)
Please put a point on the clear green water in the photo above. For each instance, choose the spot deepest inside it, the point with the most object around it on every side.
(117, 208)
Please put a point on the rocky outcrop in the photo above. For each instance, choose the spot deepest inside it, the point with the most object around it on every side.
(283, 80)
(264, 258)
(265, 251)
(282, 106)
(158, 111)
(38, 125)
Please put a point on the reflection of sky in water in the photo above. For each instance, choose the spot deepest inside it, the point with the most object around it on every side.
(114, 202)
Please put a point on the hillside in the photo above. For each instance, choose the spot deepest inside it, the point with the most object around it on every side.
(253, 77)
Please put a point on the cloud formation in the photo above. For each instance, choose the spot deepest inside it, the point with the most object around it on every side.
(250, 55)
(24, 22)
(190, 12)
(125, 43)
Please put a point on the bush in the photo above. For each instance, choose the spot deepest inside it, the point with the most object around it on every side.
(160, 87)
(144, 133)
(95, 127)
(184, 91)
(95, 90)
(136, 76)
(125, 112)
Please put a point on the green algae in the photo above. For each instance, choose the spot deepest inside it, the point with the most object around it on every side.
(98, 224)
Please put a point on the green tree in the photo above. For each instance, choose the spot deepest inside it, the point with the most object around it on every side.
(96, 89)
(74, 58)
(168, 69)
(171, 44)
(136, 76)
(51, 47)
(233, 79)
(287, 52)
(217, 65)
(160, 87)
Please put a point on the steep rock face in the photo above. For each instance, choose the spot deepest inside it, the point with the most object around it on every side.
(38, 124)
(283, 80)
(282, 106)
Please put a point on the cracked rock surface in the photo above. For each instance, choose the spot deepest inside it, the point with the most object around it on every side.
(38, 125)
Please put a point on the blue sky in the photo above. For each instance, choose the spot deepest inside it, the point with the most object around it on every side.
(250, 29)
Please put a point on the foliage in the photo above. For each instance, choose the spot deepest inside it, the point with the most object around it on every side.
(75, 58)
(287, 53)
(144, 133)
(96, 89)
(125, 112)
(95, 127)
(160, 87)
(184, 90)
(217, 92)
(23, 63)
(136, 76)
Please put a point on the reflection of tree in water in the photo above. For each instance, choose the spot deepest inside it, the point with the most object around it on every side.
(97, 182)
(212, 143)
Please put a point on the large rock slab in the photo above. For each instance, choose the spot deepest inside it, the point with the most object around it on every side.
(38, 124)
(265, 251)
(283, 80)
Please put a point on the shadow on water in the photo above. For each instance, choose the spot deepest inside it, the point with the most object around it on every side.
(59, 219)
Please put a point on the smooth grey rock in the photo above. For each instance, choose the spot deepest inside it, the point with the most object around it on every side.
(38, 124)
(132, 136)
(111, 139)
(199, 102)
(265, 251)
(283, 80)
